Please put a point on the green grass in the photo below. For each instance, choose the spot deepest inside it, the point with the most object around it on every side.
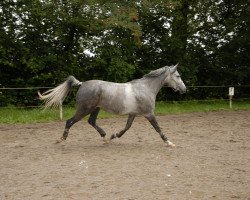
(11, 115)
(200, 106)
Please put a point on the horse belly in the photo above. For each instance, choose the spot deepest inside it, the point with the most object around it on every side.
(111, 100)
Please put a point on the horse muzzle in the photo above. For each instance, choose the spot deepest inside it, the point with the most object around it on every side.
(181, 89)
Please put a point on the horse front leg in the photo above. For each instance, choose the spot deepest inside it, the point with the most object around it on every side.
(151, 118)
(128, 125)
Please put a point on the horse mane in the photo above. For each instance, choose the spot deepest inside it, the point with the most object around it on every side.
(156, 72)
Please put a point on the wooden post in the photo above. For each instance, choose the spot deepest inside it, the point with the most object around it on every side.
(230, 101)
(231, 94)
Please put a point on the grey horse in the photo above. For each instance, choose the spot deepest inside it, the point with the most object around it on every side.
(136, 97)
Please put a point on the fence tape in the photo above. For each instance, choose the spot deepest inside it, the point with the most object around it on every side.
(191, 86)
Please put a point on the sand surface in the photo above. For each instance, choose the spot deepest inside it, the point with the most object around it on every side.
(211, 160)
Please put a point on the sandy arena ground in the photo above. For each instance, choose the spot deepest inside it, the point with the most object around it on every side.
(211, 160)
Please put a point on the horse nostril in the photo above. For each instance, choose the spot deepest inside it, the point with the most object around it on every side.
(185, 90)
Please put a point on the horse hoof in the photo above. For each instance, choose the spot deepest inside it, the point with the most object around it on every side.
(60, 140)
(170, 144)
(106, 141)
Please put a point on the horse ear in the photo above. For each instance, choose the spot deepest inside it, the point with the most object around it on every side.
(173, 69)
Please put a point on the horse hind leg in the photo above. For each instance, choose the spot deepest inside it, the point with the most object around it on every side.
(70, 122)
(92, 122)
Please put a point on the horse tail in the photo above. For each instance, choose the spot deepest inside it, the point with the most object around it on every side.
(55, 97)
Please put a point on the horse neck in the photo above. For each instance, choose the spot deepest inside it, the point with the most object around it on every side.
(155, 83)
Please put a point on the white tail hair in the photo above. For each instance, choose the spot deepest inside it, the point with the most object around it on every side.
(55, 97)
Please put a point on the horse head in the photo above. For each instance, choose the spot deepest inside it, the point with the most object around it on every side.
(174, 81)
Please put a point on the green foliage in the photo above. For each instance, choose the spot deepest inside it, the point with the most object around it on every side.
(42, 42)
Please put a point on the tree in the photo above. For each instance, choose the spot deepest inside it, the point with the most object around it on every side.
(42, 42)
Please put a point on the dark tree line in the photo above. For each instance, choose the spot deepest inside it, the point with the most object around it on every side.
(44, 41)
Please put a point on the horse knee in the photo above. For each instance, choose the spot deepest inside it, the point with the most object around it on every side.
(69, 123)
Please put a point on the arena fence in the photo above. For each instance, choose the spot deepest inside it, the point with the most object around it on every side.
(230, 94)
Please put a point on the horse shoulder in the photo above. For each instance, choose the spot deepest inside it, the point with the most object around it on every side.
(130, 94)
(144, 98)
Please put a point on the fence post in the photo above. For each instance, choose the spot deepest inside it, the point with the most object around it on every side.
(231, 94)
(61, 111)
